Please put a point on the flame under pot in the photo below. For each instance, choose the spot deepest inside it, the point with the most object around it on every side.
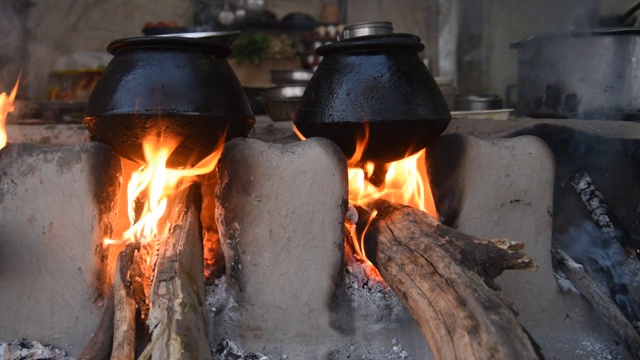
(182, 89)
(379, 80)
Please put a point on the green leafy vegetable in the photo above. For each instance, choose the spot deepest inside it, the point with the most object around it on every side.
(251, 47)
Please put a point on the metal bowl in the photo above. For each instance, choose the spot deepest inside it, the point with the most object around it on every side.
(285, 77)
(478, 102)
(282, 102)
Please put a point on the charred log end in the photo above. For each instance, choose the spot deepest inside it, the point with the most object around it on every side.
(440, 275)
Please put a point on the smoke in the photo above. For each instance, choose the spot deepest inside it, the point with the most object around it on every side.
(13, 37)
(448, 28)
(605, 261)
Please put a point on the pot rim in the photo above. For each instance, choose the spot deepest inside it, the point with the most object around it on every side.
(575, 34)
(208, 45)
(370, 43)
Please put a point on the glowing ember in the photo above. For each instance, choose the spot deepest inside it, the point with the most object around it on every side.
(6, 106)
(154, 183)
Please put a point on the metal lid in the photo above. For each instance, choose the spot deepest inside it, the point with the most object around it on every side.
(577, 34)
(366, 29)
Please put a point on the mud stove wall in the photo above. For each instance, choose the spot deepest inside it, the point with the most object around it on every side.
(280, 210)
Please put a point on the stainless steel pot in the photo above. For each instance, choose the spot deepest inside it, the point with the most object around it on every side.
(586, 75)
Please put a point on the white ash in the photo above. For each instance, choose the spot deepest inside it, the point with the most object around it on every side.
(593, 349)
(367, 291)
(221, 311)
(373, 299)
(367, 352)
(227, 350)
(564, 283)
(30, 350)
(351, 217)
(584, 347)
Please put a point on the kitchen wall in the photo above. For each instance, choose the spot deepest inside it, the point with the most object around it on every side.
(55, 29)
(408, 16)
(13, 37)
(61, 27)
(507, 21)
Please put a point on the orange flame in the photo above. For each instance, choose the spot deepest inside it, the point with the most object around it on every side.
(298, 133)
(158, 182)
(6, 106)
(405, 182)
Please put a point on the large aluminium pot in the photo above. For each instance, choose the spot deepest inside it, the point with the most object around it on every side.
(182, 89)
(585, 75)
(377, 82)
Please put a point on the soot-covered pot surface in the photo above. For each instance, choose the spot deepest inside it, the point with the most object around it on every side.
(380, 81)
(179, 88)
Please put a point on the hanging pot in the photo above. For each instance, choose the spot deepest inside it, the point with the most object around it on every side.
(376, 82)
(180, 88)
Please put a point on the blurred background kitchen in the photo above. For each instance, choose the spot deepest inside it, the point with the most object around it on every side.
(58, 42)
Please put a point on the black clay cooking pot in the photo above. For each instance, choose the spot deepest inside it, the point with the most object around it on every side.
(180, 88)
(379, 80)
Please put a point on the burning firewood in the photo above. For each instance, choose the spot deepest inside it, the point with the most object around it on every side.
(115, 335)
(176, 316)
(444, 278)
(161, 281)
(602, 214)
(124, 334)
(603, 305)
(99, 346)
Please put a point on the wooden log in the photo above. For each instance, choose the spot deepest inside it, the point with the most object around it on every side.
(176, 315)
(99, 346)
(124, 334)
(443, 277)
(616, 237)
(600, 301)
